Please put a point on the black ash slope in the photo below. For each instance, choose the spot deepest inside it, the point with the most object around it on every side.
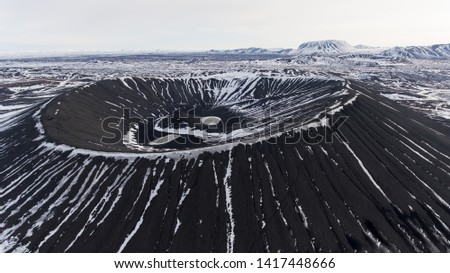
(384, 190)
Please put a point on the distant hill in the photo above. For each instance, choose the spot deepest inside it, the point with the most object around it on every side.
(324, 47)
(441, 51)
(251, 50)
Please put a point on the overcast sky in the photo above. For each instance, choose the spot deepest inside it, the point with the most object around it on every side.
(113, 25)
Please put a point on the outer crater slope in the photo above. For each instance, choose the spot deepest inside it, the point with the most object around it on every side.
(386, 189)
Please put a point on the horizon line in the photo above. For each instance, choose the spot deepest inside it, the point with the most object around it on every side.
(87, 52)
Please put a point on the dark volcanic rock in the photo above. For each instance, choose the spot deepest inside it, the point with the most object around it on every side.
(386, 189)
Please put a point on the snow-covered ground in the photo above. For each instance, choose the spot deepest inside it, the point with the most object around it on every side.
(421, 84)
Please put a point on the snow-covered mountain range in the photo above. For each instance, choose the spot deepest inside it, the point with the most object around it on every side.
(337, 47)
